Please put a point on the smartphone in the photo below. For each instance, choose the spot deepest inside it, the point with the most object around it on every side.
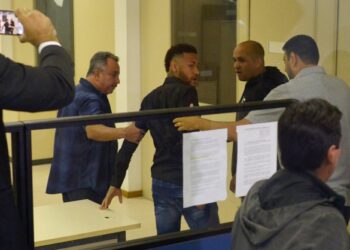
(9, 24)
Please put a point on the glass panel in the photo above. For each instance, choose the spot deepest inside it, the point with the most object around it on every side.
(209, 25)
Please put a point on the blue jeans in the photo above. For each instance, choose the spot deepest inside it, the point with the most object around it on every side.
(168, 206)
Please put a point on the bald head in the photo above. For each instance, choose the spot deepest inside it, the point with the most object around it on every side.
(253, 49)
(248, 59)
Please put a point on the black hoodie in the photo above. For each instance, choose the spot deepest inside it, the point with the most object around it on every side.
(256, 89)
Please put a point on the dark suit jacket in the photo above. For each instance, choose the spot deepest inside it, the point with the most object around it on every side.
(24, 88)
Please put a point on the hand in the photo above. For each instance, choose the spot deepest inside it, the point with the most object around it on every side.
(112, 191)
(200, 206)
(188, 123)
(38, 28)
(133, 134)
(233, 184)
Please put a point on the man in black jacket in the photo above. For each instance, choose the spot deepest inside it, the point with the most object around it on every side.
(250, 67)
(178, 90)
(24, 88)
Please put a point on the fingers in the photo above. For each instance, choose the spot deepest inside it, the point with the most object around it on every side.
(133, 133)
(105, 204)
(181, 126)
(178, 123)
(120, 196)
(233, 184)
(38, 28)
(200, 206)
(21, 14)
(112, 191)
(140, 135)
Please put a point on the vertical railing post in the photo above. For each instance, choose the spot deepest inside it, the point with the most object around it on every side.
(23, 179)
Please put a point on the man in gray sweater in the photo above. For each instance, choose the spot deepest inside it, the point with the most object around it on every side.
(295, 209)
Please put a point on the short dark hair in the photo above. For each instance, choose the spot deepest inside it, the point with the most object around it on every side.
(99, 61)
(306, 130)
(177, 50)
(305, 47)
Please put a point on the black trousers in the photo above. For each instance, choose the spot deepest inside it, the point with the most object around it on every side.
(12, 236)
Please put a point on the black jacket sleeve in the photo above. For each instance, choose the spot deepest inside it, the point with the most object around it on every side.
(46, 87)
(25, 88)
(122, 163)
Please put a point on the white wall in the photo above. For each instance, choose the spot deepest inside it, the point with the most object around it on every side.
(128, 45)
(155, 41)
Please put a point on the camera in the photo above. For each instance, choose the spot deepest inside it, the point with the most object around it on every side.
(9, 24)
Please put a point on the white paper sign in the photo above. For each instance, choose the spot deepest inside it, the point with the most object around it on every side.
(256, 154)
(204, 167)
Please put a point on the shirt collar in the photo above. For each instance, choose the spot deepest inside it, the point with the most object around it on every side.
(88, 85)
(311, 70)
(174, 80)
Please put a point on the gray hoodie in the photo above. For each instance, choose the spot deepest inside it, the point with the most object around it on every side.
(291, 211)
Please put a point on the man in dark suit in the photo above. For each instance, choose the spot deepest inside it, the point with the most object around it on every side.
(24, 88)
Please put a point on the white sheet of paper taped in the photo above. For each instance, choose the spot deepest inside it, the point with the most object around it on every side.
(256, 154)
(204, 167)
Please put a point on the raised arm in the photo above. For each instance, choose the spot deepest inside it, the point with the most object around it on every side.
(103, 133)
(48, 86)
(191, 123)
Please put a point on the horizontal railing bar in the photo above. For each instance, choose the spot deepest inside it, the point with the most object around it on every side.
(150, 114)
(13, 127)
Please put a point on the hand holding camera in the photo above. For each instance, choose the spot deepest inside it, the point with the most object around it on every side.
(38, 28)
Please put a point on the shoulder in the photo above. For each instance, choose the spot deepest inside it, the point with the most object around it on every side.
(326, 216)
(326, 227)
(84, 93)
(274, 74)
(282, 91)
(255, 189)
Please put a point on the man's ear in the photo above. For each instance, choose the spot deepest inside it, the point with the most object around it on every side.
(96, 74)
(173, 66)
(293, 59)
(329, 164)
(333, 155)
(260, 62)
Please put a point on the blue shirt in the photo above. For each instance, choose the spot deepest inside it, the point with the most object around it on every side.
(78, 161)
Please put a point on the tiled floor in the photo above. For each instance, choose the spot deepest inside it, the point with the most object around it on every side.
(140, 209)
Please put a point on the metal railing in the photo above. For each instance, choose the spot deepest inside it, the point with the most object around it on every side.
(21, 137)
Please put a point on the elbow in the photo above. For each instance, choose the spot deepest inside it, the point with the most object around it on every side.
(69, 93)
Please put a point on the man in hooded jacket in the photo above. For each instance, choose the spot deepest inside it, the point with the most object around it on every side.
(249, 65)
(295, 209)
